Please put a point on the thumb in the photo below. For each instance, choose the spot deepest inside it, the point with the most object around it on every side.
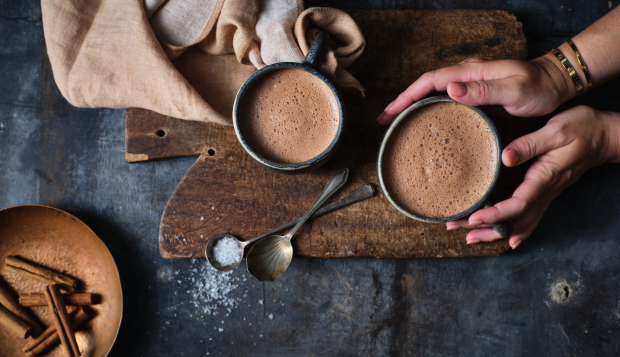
(504, 92)
(534, 144)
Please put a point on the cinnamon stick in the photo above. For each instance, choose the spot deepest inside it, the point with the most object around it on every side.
(50, 277)
(61, 320)
(69, 299)
(48, 332)
(14, 323)
(8, 300)
(40, 345)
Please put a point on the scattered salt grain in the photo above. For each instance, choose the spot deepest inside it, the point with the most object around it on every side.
(202, 218)
(220, 329)
(270, 316)
(260, 302)
(211, 289)
(226, 251)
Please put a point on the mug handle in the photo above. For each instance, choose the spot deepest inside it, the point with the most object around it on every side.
(503, 228)
(316, 50)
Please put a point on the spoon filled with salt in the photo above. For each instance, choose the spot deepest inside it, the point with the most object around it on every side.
(225, 252)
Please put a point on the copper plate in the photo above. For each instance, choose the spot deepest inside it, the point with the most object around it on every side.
(61, 242)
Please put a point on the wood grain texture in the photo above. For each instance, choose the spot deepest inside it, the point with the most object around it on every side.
(225, 191)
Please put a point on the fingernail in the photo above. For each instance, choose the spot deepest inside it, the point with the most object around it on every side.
(380, 116)
(512, 156)
(473, 241)
(389, 106)
(385, 119)
(452, 226)
(475, 223)
(516, 245)
(458, 89)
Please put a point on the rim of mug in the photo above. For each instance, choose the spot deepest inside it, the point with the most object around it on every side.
(315, 161)
(404, 114)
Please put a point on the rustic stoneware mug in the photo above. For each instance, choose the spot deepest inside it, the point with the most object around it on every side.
(310, 65)
(503, 228)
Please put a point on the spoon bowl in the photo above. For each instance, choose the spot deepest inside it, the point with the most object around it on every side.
(211, 255)
(270, 257)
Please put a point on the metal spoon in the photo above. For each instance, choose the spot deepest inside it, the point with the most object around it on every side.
(270, 256)
(364, 192)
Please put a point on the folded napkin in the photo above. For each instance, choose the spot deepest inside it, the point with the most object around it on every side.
(184, 58)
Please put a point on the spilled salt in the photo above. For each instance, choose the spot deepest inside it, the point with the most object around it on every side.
(211, 289)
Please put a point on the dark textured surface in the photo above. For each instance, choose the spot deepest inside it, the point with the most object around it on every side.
(73, 159)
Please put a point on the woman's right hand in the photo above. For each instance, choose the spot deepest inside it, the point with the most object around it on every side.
(523, 88)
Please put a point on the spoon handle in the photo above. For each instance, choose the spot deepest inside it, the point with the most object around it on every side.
(362, 193)
(334, 184)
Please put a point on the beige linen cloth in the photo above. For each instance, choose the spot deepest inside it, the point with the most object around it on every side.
(184, 58)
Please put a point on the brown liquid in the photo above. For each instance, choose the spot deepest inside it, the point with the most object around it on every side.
(440, 161)
(289, 116)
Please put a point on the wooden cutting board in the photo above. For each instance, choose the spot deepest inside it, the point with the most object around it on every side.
(225, 191)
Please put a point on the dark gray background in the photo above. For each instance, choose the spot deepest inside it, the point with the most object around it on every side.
(54, 154)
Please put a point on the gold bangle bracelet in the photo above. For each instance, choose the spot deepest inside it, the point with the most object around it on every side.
(569, 69)
(582, 63)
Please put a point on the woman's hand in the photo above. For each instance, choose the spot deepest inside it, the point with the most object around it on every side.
(523, 88)
(571, 143)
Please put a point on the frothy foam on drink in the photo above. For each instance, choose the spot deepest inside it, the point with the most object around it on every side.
(440, 160)
(289, 116)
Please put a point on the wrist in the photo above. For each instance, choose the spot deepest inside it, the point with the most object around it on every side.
(612, 128)
(557, 77)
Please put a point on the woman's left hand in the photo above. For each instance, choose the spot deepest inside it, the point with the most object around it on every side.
(571, 143)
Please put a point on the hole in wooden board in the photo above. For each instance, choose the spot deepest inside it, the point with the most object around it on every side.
(160, 133)
(211, 152)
